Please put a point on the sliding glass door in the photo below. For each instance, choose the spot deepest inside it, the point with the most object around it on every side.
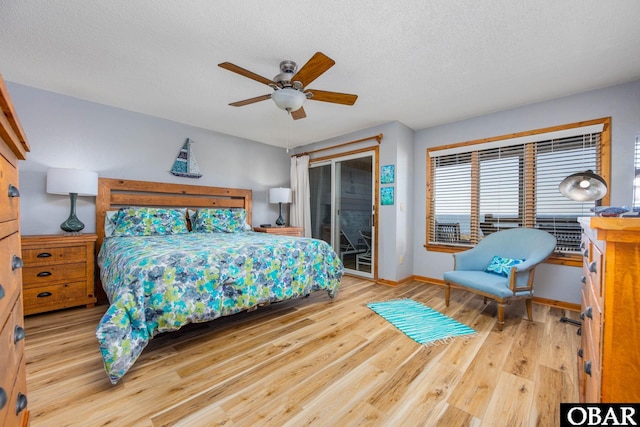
(342, 209)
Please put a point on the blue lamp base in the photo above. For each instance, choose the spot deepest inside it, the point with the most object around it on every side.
(72, 224)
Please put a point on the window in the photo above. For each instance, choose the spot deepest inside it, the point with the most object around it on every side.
(480, 187)
(636, 179)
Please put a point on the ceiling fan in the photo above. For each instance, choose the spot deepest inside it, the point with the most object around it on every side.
(290, 86)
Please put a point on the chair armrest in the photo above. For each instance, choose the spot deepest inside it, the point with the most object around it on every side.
(472, 259)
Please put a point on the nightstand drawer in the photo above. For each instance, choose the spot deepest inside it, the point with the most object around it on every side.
(53, 273)
(54, 297)
(54, 255)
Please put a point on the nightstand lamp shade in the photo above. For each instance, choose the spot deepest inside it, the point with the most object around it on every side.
(74, 182)
(280, 196)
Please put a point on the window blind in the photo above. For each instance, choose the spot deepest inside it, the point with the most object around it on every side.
(482, 188)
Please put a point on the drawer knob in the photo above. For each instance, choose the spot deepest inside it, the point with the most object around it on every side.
(580, 352)
(3, 398)
(16, 262)
(18, 334)
(43, 255)
(593, 267)
(585, 253)
(583, 279)
(44, 294)
(44, 274)
(582, 315)
(587, 367)
(589, 312)
(13, 191)
(21, 403)
(1, 292)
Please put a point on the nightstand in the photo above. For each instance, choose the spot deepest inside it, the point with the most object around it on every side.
(58, 272)
(283, 231)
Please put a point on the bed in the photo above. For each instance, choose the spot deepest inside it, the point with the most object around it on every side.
(173, 254)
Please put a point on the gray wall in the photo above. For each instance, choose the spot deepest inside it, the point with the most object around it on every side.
(72, 133)
(621, 103)
(67, 132)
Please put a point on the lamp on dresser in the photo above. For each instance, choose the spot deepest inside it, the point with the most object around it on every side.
(74, 182)
(280, 196)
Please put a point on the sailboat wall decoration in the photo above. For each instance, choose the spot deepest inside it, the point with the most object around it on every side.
(185, 164)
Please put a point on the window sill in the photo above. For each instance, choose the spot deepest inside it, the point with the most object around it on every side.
(571, 260)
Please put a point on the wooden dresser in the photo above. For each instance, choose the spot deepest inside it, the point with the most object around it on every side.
(13, 377)
(283, 231)
(609, 359)
(58, 272)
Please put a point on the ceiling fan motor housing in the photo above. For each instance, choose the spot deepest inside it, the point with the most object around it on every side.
(287, 71)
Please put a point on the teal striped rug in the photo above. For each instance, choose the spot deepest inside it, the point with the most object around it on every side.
(419, 322)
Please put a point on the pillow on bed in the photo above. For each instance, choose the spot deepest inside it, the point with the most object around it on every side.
(109, 224)
(134, 221)
(220, 221)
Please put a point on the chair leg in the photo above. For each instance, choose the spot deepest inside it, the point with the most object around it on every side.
(528, 303)
(447, 294)
(500, 315)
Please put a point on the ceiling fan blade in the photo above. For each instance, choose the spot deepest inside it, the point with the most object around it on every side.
(335, 97)
(318, 64)
(250, 101)
(246, 73)
(298, 114)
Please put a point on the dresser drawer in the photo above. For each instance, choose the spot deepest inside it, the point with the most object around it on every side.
(591, 371)
(9, 190)
(12, 344)
(9, 277)
(53, 255)
(53, 273)
(14, 413)
(595, 267)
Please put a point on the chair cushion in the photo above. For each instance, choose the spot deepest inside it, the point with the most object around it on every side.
(489, 283)
(502, 266)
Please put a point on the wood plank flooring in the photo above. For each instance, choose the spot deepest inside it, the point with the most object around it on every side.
(314, 361)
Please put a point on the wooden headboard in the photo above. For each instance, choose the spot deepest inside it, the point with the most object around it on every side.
(116, 193)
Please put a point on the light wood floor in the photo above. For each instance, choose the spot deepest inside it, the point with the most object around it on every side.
(314, 361)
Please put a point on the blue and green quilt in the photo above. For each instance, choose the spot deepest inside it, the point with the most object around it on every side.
(160, 283)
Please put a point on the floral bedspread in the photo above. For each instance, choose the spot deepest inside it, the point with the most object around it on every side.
(161, 283)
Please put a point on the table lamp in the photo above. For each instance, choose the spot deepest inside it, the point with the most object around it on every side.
(73, 182)
(280, 196)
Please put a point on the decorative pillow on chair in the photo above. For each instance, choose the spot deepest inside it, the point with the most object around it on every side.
(502, 266)
(220, 221)
(136, 221)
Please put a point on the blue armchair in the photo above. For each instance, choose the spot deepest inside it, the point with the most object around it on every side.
(501, 267)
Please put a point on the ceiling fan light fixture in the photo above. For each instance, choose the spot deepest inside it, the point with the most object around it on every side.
(288, 99)
(584, 186)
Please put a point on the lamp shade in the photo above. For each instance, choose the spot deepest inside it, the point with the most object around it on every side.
(584, 186)
(288, 99)
(280, 195)
(68, 181)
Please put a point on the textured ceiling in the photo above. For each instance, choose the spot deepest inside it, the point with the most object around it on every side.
(419, 62)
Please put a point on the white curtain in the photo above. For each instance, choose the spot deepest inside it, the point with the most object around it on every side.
(300, 198)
